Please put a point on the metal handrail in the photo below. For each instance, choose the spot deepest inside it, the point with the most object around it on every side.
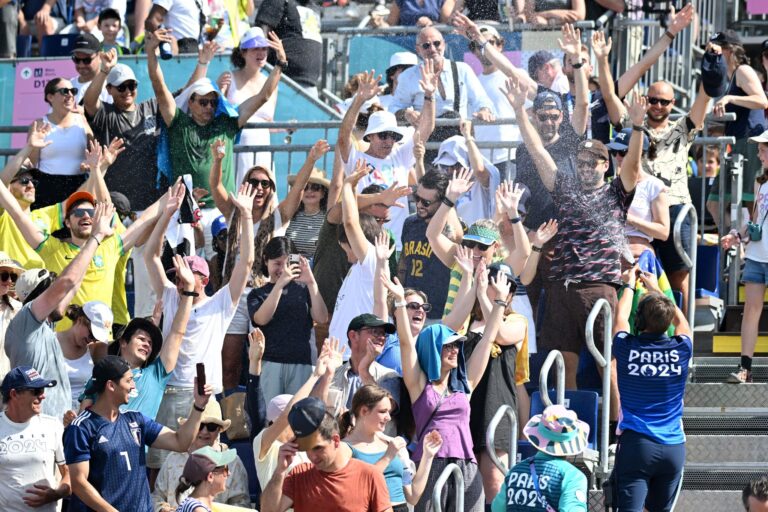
(490, 434)
(450, 470)
(604, 361)
(689, 258)
(557, 357)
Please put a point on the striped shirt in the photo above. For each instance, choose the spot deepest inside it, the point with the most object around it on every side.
(304, 230)
(191, 505)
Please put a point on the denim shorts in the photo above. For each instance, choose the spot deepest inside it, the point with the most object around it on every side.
(755, 272)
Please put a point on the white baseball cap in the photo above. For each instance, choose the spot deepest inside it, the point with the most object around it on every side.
(119, 74)
(28, 281)
(763, 137)
(488, 30)
(100, 317)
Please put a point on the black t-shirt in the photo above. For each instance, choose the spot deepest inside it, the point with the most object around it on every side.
(423, 269)
(134, 173)
(287, 334)
(483, 10)
(540, 206)
(299, 28)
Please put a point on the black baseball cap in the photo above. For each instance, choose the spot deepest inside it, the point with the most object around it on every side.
(86, 43)
(547, 100)
(369, 320)
(499, 267)
(726, 37)
(32, 171)
(24, 377)
(110, 368)
(305, 418)
(121, 202)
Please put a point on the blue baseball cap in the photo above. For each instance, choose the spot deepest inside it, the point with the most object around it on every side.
(218, 225)
(621, 141)
(24, 377)
(547, 100)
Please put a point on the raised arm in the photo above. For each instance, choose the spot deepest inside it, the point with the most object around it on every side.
(754, 98)
(154, 246)
(624, 308)
(242, 269)
(38, 131)
(165, 101)
(571, 46)
(507, 201)
(181, 440)
(169, 352)
(428, 83)
(290, 204)
(414, 378)
(368, 87)
(91, 100)
(443, 247)
(252, 104)
(350, 213)
(29, 230)
(546, 167)
(682, 328)
(218, 192)
(602, 49)
(465, 296)
(537, 238)
(476, 162)
(630, 167)
(204, 57)
(266, 311)
(699, 108)
(383, 252)
(317, 307)
(479, 359)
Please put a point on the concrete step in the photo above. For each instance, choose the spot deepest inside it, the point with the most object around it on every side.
(717, 369)
(712, 421)
(688, 501)
(723, 476)
(726, 396)
(716, 449)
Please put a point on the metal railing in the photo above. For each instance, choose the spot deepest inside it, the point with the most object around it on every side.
(557, 357)
(490, 441)
(451, 470)
(603, 361)
(736, 165)
(689, 258)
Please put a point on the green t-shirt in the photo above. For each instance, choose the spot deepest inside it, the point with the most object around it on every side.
(190, 147)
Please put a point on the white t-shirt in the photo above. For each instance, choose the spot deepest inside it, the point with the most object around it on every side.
(265, 467)
(183, 16)
(79, 371)
(388, 171)
(646, 193)
(29, 452)
(493, 84)
(479, 202)
(83, 86)
(758, 251)
(203, 338)
(355, 297)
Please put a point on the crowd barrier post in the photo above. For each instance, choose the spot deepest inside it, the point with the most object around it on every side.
(603, 361)
(490, 434)
(556, 357)
(689, 258)
(735, 164)
(451, 470)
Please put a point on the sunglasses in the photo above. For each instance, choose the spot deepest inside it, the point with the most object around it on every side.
(588, 163)
(210, 427)
(207, 102)
(26, 180)
(265, 184)
(415, 306)
(65, 90)
(543, 118)
(656, 101)
(82, 60)
(381, 220)
(471, 244)
(423, 202)
(389, 135)
(80, 212)
(314, 187)
(128, 86)
(6, 276)
(35, 391)
(221, 470)
(616, 152)
(428, 44)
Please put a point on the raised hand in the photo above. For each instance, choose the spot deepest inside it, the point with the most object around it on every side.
(224, 81)
(285, 456)
(175, 197)
(679, 21)
(395, 288)
(108, 60)
(429, 78)
(500, 283)
(305, 272)
(459, 184)
(361, 169)
(319, 148)
(571, 41)
(184, 273)
(390, 195)
(206, 53)
(545, 233)
(466, 27)
(36, 138)
(600, 45)
(516, 92)
(481, 278)
(335, 356)
(219, 150)
(93, 155)
(419, 150)
(432, 443)
(368, 85)
(394, 445)
(289, 273)
(463, 258)
(383, 251)
(277, 44)
(508, 196)
(465, 128)
(202, 400)
(256, 344)
(637, 108)
(102, 220)
(152, 40)
(244, 199)
(157, 313)
(109, 153)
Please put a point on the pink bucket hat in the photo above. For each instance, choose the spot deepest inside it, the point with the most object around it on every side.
(557, 431)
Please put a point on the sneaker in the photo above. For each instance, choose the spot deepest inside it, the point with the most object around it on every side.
(740, 376)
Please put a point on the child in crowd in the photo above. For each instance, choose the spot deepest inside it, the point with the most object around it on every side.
(110, 25)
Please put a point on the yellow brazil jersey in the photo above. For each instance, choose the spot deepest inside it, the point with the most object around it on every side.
(119, 298)
(98, 283)
(47, 219)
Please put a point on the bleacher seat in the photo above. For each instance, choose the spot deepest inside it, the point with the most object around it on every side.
(23, 46)
(583, 403)
(708, 271)
(57, 45)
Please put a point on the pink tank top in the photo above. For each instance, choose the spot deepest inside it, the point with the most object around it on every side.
(451, 420)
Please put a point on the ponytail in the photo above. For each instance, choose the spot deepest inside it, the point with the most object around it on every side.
(346, 423)
(183, 487)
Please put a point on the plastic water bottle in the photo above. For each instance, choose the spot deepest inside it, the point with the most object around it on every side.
(165, 49)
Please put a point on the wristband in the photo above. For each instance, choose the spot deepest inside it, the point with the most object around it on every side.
(447, 202)
(96, 239)
(483, 45)
(500, 302)
(282, 64)
(198, 409)
(515, 220)
(535, 248)
(190, 294)
(626, 286)
(577, 66)
(637, 128)
(670, 35)
(199, 63)
(428, 98)
(399, 304)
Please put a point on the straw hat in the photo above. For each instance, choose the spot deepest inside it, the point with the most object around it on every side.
(11, 264)
(212, 414)
(317, 176)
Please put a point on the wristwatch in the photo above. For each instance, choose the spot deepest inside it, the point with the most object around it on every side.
(282, 64)
(189, 294)
(400, 304)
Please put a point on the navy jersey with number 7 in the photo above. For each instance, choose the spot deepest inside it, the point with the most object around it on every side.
(115, 452)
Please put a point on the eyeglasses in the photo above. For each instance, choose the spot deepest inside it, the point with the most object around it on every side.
(6, 276)
(80, 212)
(378, 332)
(35, 391)
(128, 86)
(389, 135)
(221, 470)
(471, 244)
(415, 306)
(210, 427)
(425, 203)
(451, 346)
(428, 44)
(655, 101)
(314, 187)
(207, 102)
(26, 180)
(265, 184)
(67, 90)
(616, 152)
(543, 118)
(82, 60)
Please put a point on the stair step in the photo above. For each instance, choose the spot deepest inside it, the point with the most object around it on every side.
(723, 476)
(726, 396)
(717, 369)
(704, 421)
(688, 501)
(730, 343)
(716, 449)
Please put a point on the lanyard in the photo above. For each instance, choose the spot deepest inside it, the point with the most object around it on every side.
(541, 496)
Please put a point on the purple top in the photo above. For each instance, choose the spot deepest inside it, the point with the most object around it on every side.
(452, 421)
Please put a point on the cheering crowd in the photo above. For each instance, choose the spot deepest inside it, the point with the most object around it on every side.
(371, 322)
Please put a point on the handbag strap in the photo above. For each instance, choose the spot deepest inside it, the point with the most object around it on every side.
(434, 411)
(456, 89)
(542, 498)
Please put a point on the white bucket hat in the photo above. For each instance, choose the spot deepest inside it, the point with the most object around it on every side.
(383, 121)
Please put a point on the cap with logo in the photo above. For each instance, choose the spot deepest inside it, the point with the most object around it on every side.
(29, 281)
(101, 319)
(304, 418)
(24, 377)
(547, 100)
(726, 37)
(594, 147)
(86, 43)
(621, 141)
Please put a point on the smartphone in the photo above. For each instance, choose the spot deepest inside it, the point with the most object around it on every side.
(294, 259)
(200, 379)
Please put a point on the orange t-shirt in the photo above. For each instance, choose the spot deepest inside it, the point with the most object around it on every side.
(358, 487)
